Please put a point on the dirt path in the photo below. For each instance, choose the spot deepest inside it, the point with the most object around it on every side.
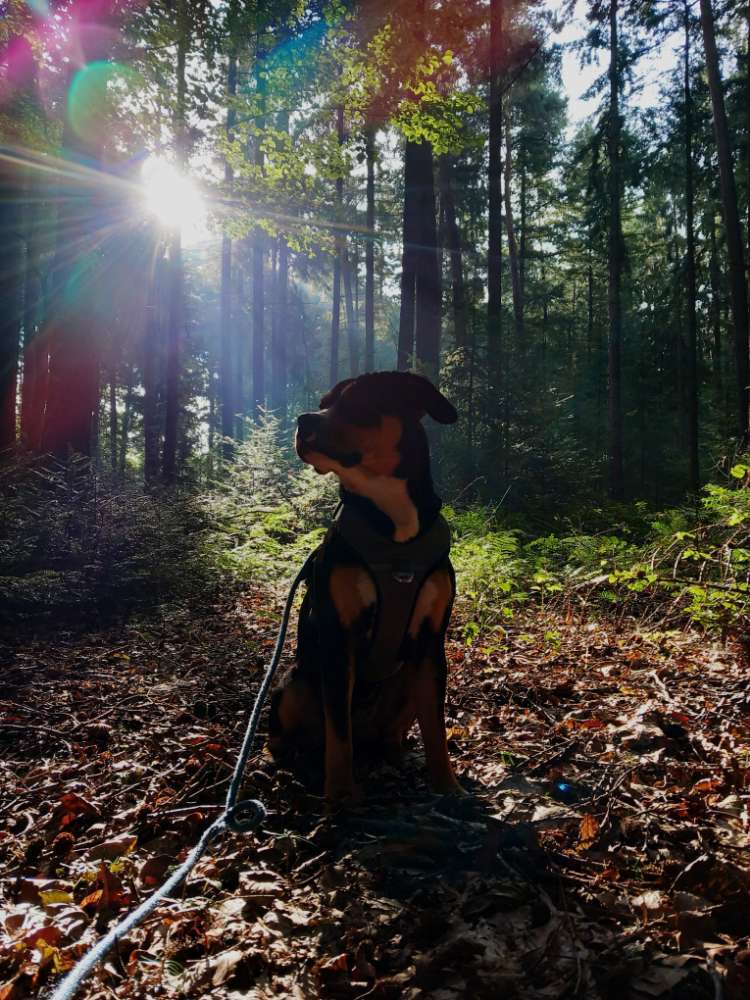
(604, 852)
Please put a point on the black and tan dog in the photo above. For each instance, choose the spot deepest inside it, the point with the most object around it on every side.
(371, 643)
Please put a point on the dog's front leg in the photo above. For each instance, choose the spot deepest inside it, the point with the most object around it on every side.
(338, 683)
(353, 597)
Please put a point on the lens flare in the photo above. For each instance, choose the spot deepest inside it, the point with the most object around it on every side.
(90, 98)
(173, 199)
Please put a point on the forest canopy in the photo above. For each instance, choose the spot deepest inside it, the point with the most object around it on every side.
(211, 212)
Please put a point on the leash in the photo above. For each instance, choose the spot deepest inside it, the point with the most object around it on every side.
(238, 817)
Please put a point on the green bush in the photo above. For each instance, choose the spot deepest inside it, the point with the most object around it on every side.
(73, 540)
(270, 510)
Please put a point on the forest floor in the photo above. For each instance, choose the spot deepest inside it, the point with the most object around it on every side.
(603, 852)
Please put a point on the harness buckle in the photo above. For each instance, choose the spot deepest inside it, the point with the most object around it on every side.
(404, 575)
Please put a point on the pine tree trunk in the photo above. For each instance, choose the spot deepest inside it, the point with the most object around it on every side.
(691, 367)
(515, 275)
(228, 403)
(175, 330)
(280, 332)
(11, 283)
(523, 235)
(351, 322)
(35, 359)
(73, 381)
(405, 352)
(590, 308)
(428, 278)
(615, 253)
(259, 381)
(113, 419)
(495, 219)
(453, 241)
(280, 335)
(152, 355)
(715, 309)
(127, 417)
(737, 279)
(370, 251)
(337, 261)
(241, 345)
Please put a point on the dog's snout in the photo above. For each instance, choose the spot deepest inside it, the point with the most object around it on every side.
(307, 425)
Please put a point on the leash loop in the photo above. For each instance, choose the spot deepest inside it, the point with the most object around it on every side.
(245, 816)
(237, 817)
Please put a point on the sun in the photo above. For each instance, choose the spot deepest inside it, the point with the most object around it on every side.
(174, 199)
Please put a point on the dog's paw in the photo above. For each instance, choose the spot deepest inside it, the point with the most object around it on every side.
(342, 795)
(448, 785)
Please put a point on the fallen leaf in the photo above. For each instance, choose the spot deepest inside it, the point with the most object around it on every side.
(588, 830)
(114, 848)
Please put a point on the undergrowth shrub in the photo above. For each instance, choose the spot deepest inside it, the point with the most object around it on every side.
(696, 565)
(270, 510)
(76, 543)
(74, 540)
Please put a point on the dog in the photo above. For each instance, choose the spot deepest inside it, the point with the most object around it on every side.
(371, 640)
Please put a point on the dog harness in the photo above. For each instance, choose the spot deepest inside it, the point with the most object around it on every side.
(399, 570)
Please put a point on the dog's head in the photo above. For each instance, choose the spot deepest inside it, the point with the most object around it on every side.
(372, 424)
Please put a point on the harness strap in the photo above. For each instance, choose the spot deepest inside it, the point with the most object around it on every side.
(399, 570)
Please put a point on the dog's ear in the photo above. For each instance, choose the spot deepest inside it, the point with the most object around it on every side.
(333, 394)
(422, 394)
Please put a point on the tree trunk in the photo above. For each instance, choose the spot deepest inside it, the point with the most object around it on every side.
(589, 308)
(405, 353)
(351, 322)
(280, 333)
(515, 275)
(152, 358)
(453, 241)
(228, 402)
(113, 419)
(35, 359)
(259, 382)
(428, 283)
(615, 253)
(691, 367)
(11, 258)
(241, 344)
(370, 251)
(175, 331)
(127, 417)
(523, 235)
(338, 259)
(737, 281)
(69, 326)
(495, 220)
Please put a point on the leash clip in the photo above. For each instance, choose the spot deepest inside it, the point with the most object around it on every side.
(403, 575)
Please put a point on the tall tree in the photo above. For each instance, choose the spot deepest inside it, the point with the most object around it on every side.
(515, 273)
(11, 283)
(690, 279)
(175, 330)
(737, 278)
(228, 380)
(615, 262)
(494, 197)
(370, 250)
(455, 251)
(339, 251)
(259, 243)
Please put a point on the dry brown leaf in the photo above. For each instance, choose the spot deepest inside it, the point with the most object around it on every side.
(114, 848)
(588, 830)
(225, 964)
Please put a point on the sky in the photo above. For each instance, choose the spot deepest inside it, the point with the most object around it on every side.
(577, 79)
